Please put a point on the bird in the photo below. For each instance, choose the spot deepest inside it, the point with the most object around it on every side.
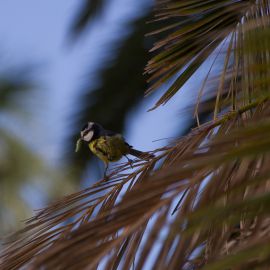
(109, 146)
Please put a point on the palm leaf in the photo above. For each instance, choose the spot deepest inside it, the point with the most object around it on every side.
(12, 87)
(202, 27)
(88, 11)
(101, 225)
(20, 166)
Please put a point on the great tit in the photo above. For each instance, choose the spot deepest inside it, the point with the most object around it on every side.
(107, 145)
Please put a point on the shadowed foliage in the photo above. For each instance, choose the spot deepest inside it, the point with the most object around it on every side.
(203, 201)
(13, 162)
(20, 165)
(88, 11)
(10, 87)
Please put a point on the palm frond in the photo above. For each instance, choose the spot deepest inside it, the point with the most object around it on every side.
(10, 87)
(20, 166)
(88, 10)
(202, 27)
(96, 223)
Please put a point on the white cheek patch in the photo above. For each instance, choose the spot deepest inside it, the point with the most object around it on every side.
(88, 136)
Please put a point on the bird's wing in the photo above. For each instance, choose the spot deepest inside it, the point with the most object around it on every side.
(112, 133)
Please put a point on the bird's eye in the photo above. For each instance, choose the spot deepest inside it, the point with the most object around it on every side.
(85, 127)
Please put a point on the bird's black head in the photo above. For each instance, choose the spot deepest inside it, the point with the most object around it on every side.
(91, 131)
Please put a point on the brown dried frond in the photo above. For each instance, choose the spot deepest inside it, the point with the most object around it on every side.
(226, 178)
(195, 30)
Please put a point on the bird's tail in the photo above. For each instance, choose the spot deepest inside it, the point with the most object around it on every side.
(140, 154)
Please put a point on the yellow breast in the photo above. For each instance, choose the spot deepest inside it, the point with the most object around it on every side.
(109, 148)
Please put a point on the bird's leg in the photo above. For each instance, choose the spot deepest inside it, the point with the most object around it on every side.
(105, 171)
(130, 161)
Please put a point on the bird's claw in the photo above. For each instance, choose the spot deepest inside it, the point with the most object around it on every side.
(130, 161)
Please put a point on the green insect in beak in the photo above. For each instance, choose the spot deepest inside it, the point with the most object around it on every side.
(107, 145)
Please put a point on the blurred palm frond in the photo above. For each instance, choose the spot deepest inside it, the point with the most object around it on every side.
(10, 87)
(20, 165)
(88, 11)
